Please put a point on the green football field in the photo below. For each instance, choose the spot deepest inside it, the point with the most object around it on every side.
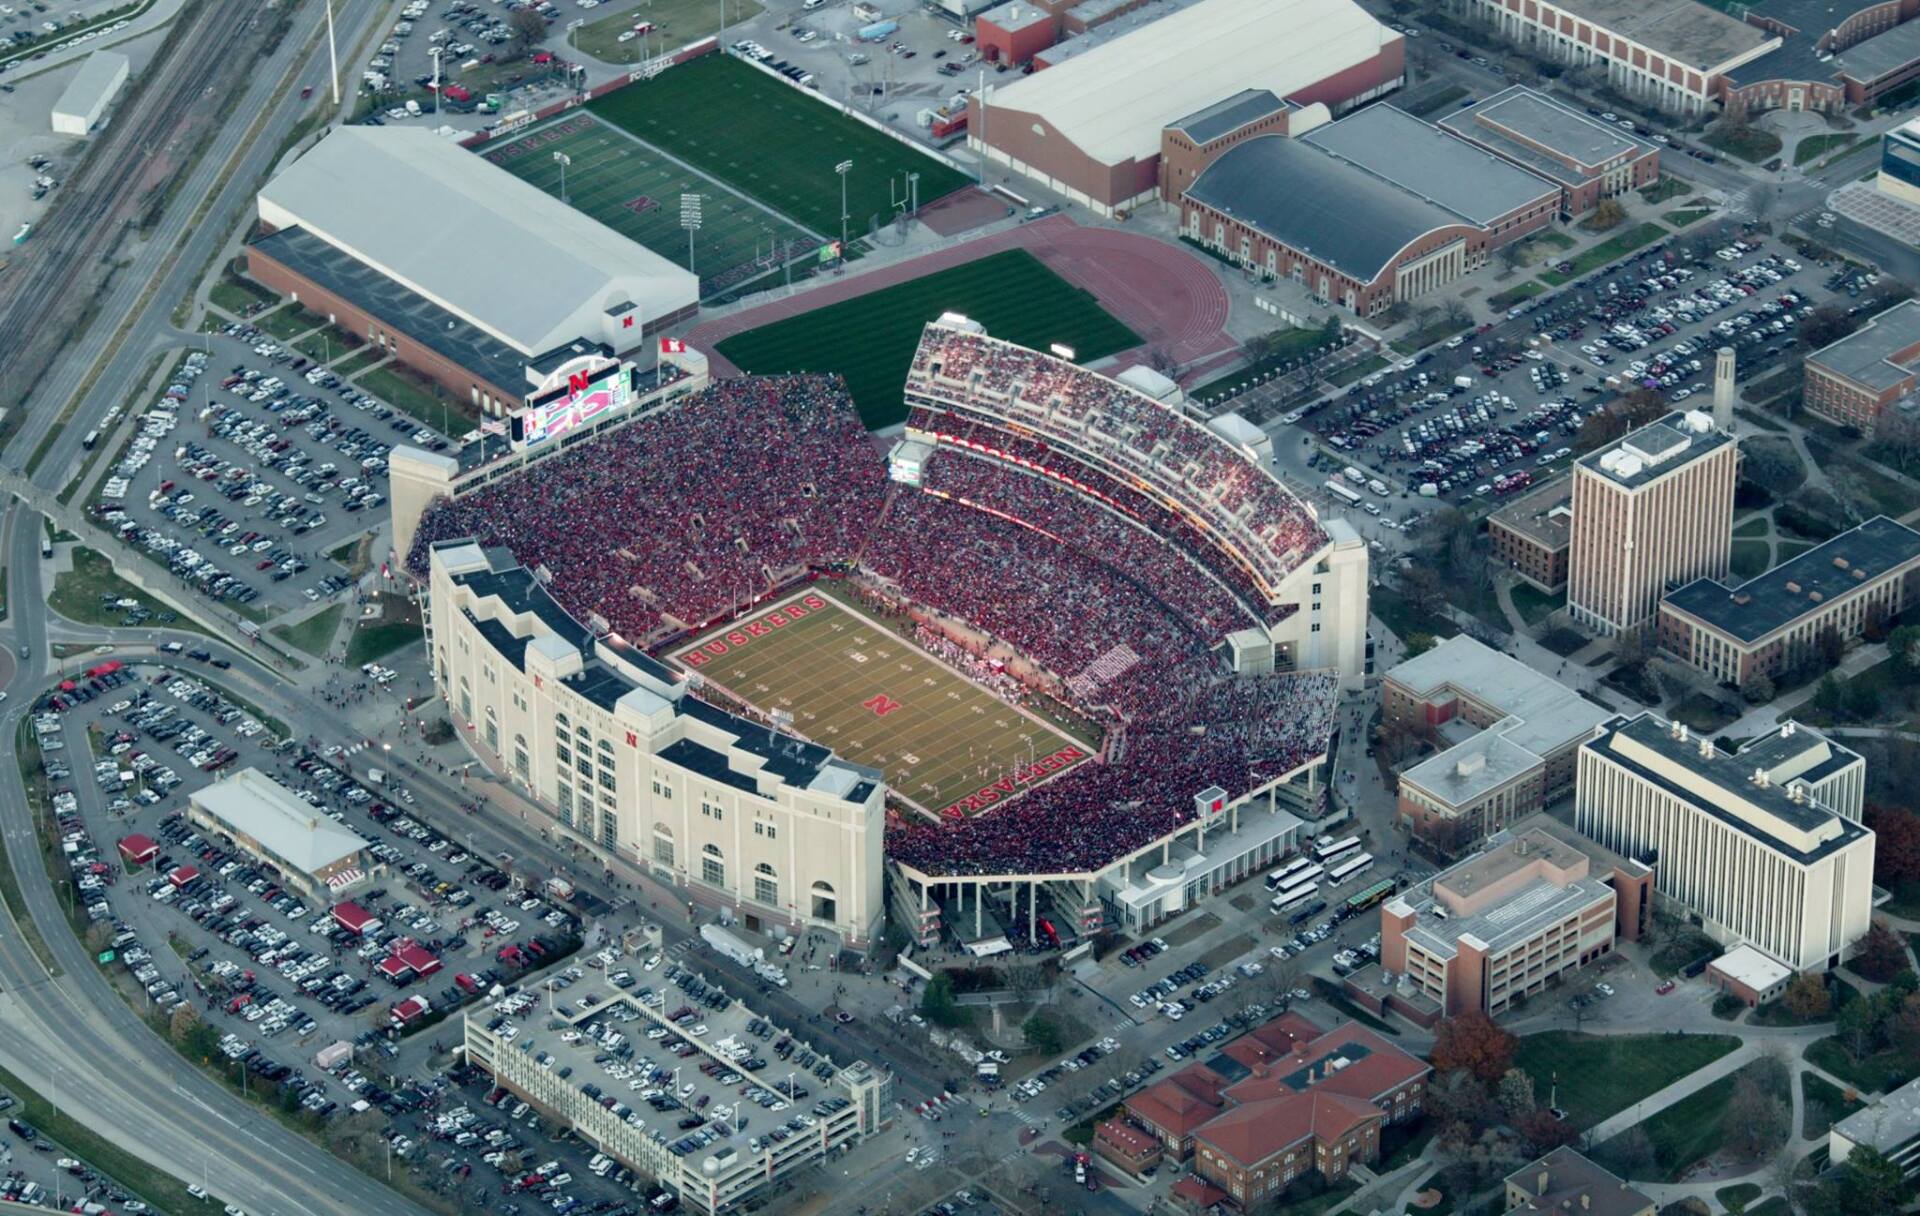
(870, 339)
(876, 699)
(634, 190)
(775, 143)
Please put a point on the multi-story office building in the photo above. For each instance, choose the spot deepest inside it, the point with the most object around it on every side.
(1763, 846)
(578, 1069)
(1651, 511)
(1508, 736)
(1900, 163)
(1776, 622)
(1890, 1125)
(1533, 534)
(1853, 381)
(632, 765)
(1592, 160)
(1500, 926)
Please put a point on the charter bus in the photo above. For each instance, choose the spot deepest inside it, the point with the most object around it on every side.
(1295, 896)
(1301, 870)
(1368, 896)
(1352, 867)
(1334, 850)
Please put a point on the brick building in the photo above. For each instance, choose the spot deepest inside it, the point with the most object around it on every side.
(1537, 902)
(1533, 534)
(1590, 160)
(1777, 622)
(1853, 380)
(1090, 127)
(1565, 1183)
(1377, 208)
(1280, 1101)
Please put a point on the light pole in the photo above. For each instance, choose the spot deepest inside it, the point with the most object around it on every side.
(434, 53)
(563, 160)
(690, 220)
(843, 168)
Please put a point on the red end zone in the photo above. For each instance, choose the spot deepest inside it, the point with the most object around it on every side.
(1015, 782)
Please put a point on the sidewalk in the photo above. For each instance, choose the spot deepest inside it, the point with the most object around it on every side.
(1659, 1100)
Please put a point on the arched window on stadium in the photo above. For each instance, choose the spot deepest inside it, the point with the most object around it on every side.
(825, 904)
(520, 757)
(713, 866)
(560, 720)
(662, 844)
(466, 699)
(493, 730)
(766, 884)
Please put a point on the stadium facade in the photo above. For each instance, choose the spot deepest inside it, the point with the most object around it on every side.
(635, 769)
(1091, 127)
(1216, 687)
(467, 274)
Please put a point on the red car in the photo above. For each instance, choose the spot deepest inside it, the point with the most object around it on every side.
(1665, 988)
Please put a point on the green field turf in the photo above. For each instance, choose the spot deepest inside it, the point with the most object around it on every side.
(635, 191)
(774, 143)
(937, 736)
(870, 339)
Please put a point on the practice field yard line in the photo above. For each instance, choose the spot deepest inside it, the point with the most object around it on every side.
(635, 189)
(1013, 294)
(874, 697)
(775, 142)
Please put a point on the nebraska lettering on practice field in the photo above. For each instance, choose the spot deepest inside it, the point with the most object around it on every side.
(987, 795)
(743, 634)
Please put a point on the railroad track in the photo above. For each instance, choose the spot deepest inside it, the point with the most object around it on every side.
(84, 229)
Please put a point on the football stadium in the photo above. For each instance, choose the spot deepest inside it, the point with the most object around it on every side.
(734, 642)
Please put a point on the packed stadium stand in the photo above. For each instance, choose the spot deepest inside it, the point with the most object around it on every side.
(1111, 542)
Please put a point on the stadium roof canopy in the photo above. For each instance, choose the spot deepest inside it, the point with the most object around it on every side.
(502, 254)
(1309, 200)
(1424, 160)
(1114, 100)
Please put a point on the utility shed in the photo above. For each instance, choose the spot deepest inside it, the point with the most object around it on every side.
(92, 89)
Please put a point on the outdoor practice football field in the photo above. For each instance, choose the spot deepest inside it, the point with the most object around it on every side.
(870, 339)
(634, 190)
(877, 700)
(774, 143)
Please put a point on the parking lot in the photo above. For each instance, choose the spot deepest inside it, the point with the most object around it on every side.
(280, 982)
(1481, 419)
(244, 474)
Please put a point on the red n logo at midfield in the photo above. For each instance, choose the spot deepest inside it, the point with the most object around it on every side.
(881, 705)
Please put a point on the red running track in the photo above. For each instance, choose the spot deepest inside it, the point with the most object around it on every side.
(1172, 299)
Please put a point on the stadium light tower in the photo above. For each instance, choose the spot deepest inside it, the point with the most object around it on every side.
(843, 168)
(563, 160)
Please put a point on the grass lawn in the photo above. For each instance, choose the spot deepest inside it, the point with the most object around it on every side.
(284, 323)
(411, 393)
(1503, 300)
(1703, 713)
(1880, 1071)
(1437, 332)
(1601, 1075)
(1405, 618)
(313, 634)
(328, 343)
(84, 595)
(1735, 1198)
(235, 295)
(1760, 420)
(1535, 605)
(1686, 215)
(1291, 343)
(1751, 557)
(676, 23)
(1357, 371)
(1664, 189)
(1776, 1206)
(1010, 293)
(1564, 641)
(1694, 1128)
(1888, 495)
(1826, 1104)
(1814, 146)
(353, 365)
(1753, 527)
(1402, 1143)
(370, 643)
(626, 185)
(1607, 251)
(774, 143)
(1751, 144)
